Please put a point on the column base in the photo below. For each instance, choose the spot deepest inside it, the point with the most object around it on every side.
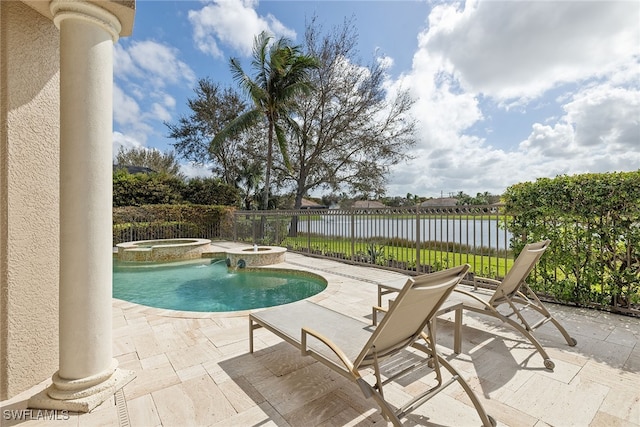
(80, 400)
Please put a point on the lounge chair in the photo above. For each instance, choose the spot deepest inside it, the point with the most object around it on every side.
(512, 292)
(349, 346)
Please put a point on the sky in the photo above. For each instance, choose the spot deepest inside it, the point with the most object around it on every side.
(505, 91)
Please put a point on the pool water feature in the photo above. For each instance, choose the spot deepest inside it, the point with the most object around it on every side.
(208, 286)
(255, 256)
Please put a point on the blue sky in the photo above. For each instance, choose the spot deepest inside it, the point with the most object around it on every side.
(506, 91)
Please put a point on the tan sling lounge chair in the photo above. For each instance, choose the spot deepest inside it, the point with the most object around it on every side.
(349, 346)
(512, 295)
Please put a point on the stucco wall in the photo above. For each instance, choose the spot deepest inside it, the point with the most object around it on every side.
(29, 171)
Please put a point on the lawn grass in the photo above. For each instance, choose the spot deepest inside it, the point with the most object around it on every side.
(400, 253)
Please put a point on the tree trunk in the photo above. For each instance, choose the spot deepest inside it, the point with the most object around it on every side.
(293, 229)
(267, 181)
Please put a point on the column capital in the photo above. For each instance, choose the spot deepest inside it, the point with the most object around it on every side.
(89, 12)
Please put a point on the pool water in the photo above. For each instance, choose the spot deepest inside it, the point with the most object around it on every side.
(208, 286)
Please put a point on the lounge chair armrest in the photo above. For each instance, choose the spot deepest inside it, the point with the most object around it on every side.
(326, 341)
(374, 315)
(487, 280)
(470, 295)
(377, 308)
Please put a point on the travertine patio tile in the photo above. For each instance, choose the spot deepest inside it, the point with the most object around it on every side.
(248, 365)
(443, 409)
(118, 321)
(624, 403)
(315, 412)
(195, 402)
(613, 355)
(284, 362)
(241, 393)
(351, 417)
(159, 360)
(131, 330)
(350, 393)
(507, 415)
(613, 378)
(143, 412)
(149, 380)
(262, 415)
(224, 336)
(603, 419)
(168, 338)
(105, 415)
(127, 357)
(569, 405)
(624, 337)
(633, 361)
(191, 372)
(234, 349)
(194, 355)
(123, 345)
(580, 329)
(147, 345)
(288, 392)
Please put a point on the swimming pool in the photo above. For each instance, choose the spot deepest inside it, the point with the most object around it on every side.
(208, 286)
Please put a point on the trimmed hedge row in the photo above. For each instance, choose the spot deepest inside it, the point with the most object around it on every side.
(593, 221)
(150, 222)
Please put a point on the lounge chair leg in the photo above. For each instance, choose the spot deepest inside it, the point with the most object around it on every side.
(548, 363)
(487, 421)
(457, 335)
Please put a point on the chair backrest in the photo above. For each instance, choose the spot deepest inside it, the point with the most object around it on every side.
(416, 304)
(521, 268)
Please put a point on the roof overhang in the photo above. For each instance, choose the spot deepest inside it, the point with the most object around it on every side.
(124, 10)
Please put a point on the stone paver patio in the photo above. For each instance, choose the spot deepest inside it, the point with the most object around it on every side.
(194, 369)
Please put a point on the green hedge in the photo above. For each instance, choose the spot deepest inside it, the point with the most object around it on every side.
(593, 221)
(150, 222)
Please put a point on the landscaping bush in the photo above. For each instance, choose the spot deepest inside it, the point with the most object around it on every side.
(593, 221)
(149, 222)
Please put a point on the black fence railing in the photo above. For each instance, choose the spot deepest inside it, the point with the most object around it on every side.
(410, 239)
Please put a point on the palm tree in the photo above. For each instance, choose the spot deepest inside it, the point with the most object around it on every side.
(248, 180)
(281, 73)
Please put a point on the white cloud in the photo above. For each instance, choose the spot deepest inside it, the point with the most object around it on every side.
(152, 60)
(159, 112)
(600, 131)
(512, 49)
(126, 110)
(126, 142)
(497, 52)
(232, 23)
(194, 170)
(144, 72)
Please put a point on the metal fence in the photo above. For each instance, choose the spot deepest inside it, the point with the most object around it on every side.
(419, 239)
(171, 226)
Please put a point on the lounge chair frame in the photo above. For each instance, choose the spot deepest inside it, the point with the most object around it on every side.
(512, 292)
(354, 345)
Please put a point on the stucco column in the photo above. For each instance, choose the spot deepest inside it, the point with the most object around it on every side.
(87, 373)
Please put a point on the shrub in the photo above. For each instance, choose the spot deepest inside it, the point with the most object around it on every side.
(593, 221)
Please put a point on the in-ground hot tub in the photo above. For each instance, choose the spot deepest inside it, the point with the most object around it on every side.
(255, 256)
(162, 250)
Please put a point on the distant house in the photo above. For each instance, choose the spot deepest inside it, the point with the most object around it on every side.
(133, 169)
(443, 201)
(368, 204)
(310, 204)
